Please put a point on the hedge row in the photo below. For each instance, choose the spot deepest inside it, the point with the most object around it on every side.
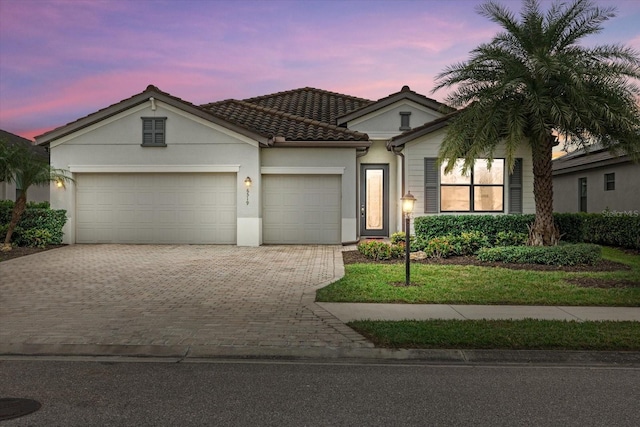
(570, 254)
(603, 229)
(38, 226)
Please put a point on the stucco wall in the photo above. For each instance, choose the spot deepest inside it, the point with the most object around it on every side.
(114, 145)
(625, 197)
(428, 146)
(378, 154)
(36, 193)
(341, 161)
(385, 123)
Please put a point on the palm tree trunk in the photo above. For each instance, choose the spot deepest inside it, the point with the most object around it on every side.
(543, 232)
(18, 210)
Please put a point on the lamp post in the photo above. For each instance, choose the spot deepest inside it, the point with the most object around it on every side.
(408, 201)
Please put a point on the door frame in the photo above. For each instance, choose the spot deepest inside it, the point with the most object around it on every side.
(362, 212)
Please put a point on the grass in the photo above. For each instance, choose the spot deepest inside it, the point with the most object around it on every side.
(502, 334)
(451, 284)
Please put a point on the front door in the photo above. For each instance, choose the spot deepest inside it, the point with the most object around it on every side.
(374, 200)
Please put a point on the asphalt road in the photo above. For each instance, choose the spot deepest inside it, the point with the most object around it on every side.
(270, 393)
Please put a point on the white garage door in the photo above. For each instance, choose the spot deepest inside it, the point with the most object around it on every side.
(301, 209)
(162, 208)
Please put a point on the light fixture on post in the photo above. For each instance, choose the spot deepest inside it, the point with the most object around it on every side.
(408, 202)
(247, 183)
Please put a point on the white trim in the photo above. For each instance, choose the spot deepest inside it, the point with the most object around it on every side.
(284, 170)
(153, 168)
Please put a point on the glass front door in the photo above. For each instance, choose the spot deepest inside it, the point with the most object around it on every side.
(374, 200)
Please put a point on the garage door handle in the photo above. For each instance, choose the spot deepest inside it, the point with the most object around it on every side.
(362, 211)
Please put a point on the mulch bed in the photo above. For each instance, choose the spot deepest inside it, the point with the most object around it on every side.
(353, 257)
(17, 252)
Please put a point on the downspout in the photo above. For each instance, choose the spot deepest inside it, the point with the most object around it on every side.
(401, 155)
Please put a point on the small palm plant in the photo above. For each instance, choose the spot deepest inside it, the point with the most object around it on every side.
(21, 165)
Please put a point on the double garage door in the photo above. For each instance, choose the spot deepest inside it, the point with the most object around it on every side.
(162, 208)
(200, 208)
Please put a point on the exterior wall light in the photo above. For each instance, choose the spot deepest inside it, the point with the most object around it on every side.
(247, 183)
(59, 183)
(408, 202)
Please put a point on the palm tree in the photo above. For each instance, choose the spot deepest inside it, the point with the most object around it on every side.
(534, 82)
(22, 165)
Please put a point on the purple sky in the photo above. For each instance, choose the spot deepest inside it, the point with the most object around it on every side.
(61, 60)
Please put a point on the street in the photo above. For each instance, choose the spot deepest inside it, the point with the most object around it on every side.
(105, 392)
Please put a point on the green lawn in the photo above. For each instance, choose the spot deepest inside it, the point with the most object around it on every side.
(502, 334)
(451, 284)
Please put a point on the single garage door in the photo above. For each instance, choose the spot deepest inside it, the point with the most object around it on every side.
(301, 209)
(163, 208)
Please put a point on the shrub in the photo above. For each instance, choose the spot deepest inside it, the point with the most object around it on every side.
(37, 216)
(612, 229)
(468, 242)
(569, 254)
(608, 228)
(511, 238)
(428, 227)
(380, 251)
(439, 247)
(400, 237)
(36, 237)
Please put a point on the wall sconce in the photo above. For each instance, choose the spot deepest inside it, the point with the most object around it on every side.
(247, 183)
(59, 183)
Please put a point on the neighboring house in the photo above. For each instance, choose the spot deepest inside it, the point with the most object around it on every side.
(305, 166)
(11, 191)
(596, 181)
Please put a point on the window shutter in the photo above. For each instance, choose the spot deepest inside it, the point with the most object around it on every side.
(431, 175)
(515, 188)
(147, 131)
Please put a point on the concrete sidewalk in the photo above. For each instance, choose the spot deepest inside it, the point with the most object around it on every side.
(347, 312)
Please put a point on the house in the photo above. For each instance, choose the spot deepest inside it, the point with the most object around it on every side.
(11, 191)
(596, 181)
(305, 166)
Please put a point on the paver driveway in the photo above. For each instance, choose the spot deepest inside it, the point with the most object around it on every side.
(154, 295)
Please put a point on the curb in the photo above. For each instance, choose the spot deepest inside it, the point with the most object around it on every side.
(321, 354)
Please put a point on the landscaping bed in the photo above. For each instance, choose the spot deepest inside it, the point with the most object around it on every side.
(20, 251)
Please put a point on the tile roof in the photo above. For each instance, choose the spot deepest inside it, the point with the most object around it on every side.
(13, 139)
(580, 160)
(311, 103)
(274, 123)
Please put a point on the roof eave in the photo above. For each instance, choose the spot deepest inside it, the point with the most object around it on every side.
(323, 144)
(48, 137)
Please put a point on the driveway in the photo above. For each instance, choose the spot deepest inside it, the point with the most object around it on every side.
(139, 299)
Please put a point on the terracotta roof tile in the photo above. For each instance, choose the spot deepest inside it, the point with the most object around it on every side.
(315, 104)
(272, 123)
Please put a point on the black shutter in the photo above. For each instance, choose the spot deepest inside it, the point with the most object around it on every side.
(431, 178)
(515, 188)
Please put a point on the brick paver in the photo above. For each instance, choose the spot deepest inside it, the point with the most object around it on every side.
(172, 295)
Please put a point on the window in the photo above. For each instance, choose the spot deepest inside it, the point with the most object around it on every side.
(405, 120)
(582, 194)
(482, 190)
(153, 131)
(609, 181)
(438, 198)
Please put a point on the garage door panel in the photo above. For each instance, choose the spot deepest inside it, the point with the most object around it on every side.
(156, 208)
(301, 209)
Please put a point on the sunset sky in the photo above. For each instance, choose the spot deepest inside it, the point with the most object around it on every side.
(62, 60)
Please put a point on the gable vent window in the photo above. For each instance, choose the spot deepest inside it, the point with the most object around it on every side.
(405, 120)
(154, 131)
(609, 181)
